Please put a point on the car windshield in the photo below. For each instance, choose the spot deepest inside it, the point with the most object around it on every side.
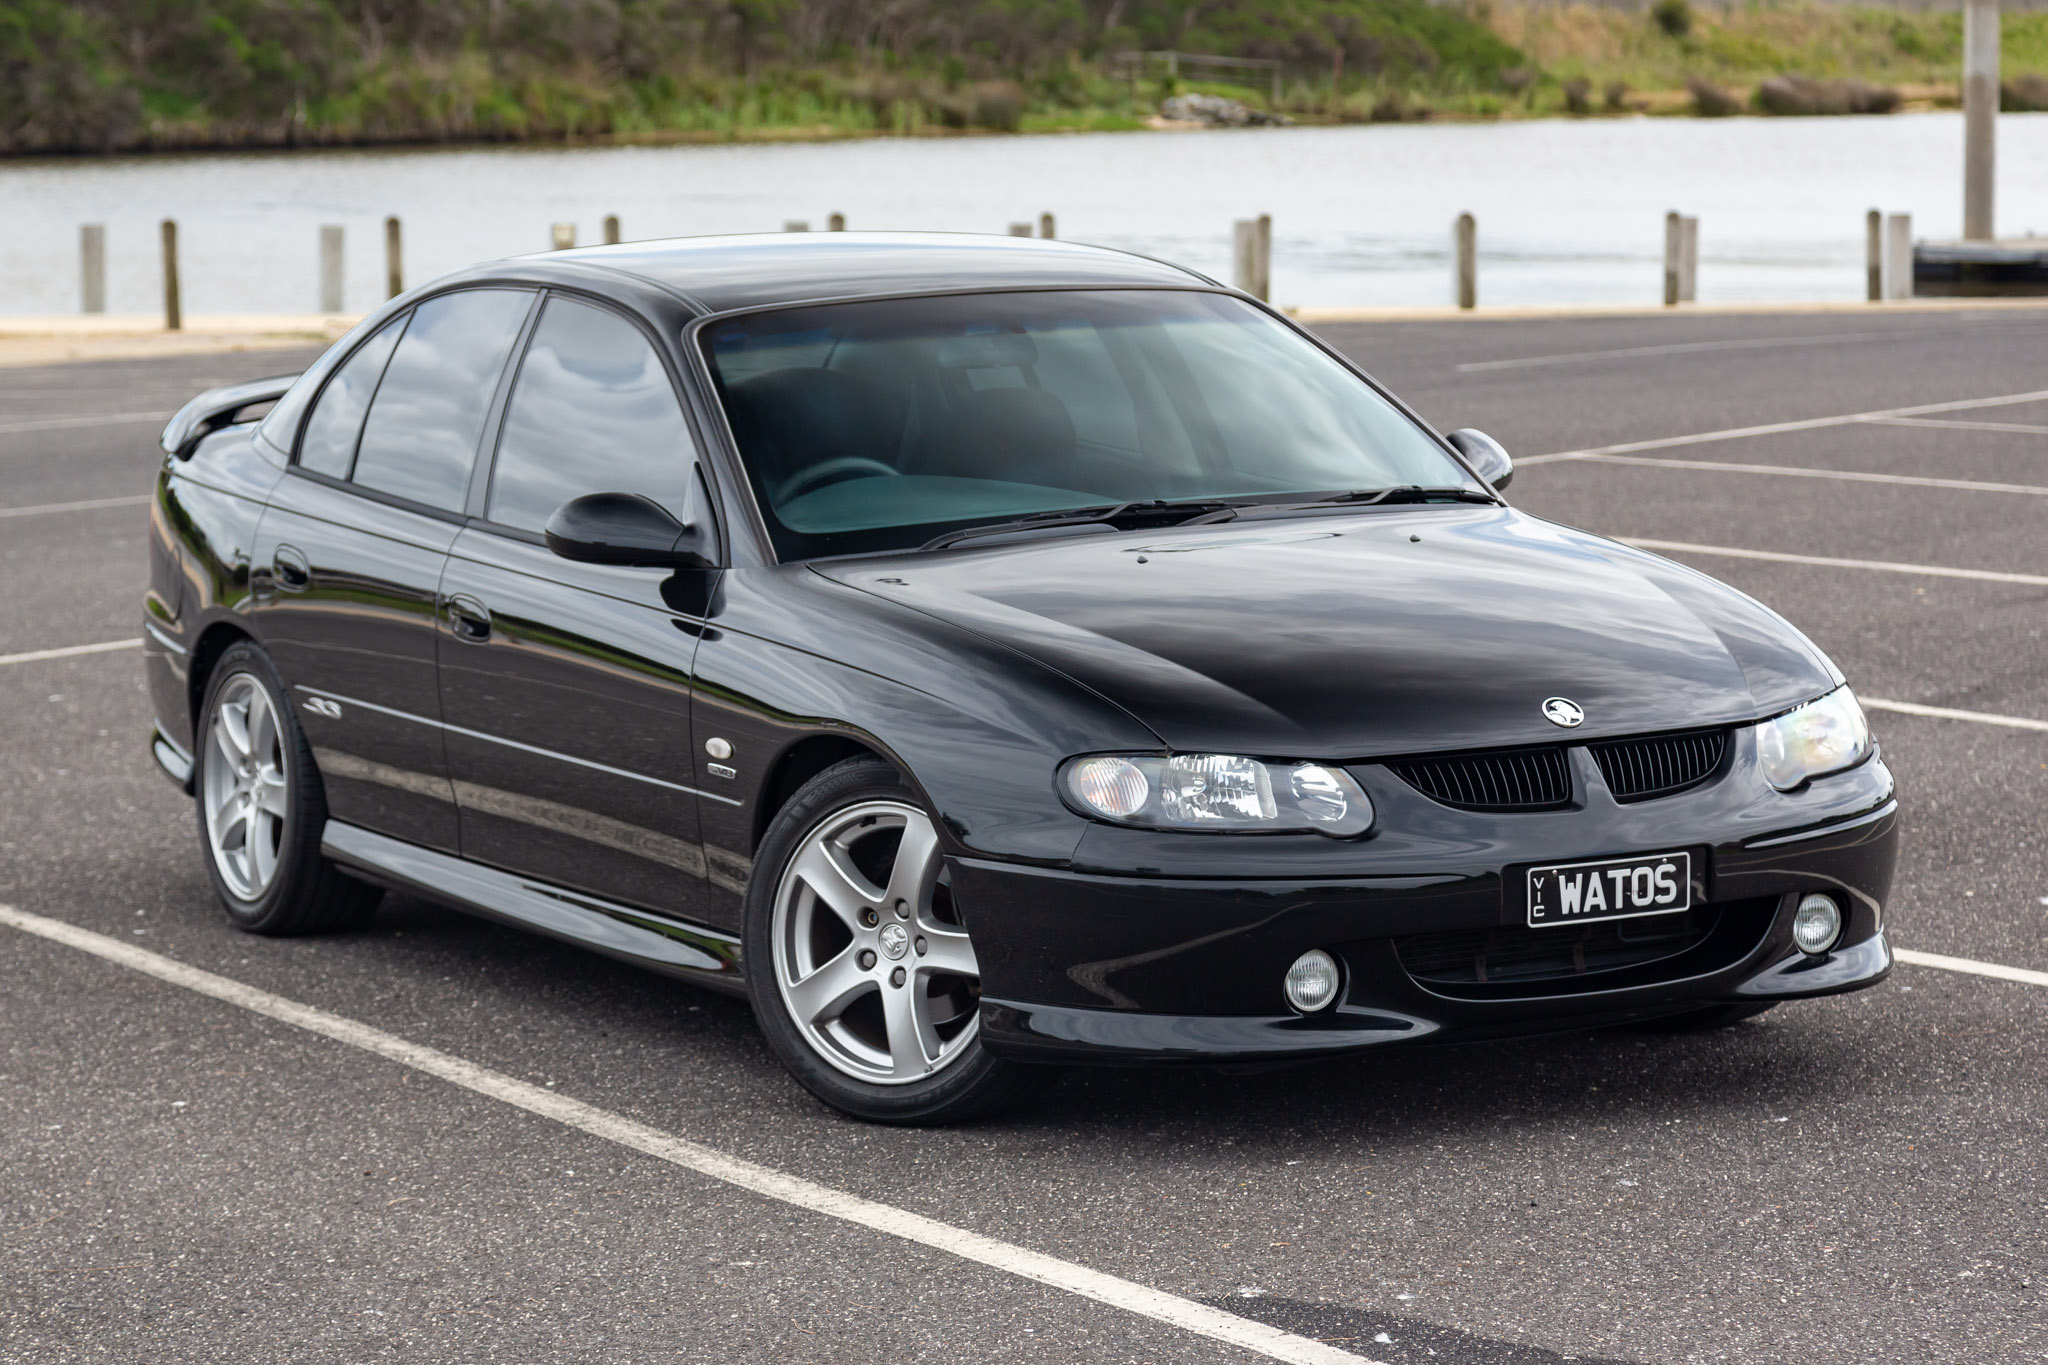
(883, 425)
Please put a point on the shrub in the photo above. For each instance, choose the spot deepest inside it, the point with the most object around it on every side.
(997, 105)
(1710, 100)
(1616, 96)
(1803, 95)
(2024, 93)
(1578, 95)
(1673, 16)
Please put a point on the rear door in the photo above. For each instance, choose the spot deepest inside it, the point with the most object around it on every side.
(566, 687)
(349, 555)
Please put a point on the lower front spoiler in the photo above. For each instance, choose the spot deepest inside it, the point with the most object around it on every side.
(1055, 1033)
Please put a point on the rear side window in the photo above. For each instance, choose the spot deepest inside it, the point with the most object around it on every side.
(592, 412)
(420, 440)
(329, 445)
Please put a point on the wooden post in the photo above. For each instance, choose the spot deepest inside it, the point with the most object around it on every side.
(1980, 117)
(611, 229)
(1244, 252)
(1045, 226)
(1873, 254)
(394, 260)
(1688, 258)
(330, 269)
(562, 235)
(92, 267)
(836, 223)
(1020, 229)
(1263, 261)
(795, 225)
(174, 312)
(1466, 236)
(1672, 234)
(1898, 256)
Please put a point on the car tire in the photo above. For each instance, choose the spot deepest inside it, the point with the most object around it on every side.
(1707, 1019)
(262, 808)
(849, 984)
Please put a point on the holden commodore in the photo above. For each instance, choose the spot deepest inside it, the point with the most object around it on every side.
(981, 654)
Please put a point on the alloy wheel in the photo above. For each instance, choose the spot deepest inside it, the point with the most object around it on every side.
(871, 960)
(245, 788)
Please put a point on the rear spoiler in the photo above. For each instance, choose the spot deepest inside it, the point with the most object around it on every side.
(217, 408)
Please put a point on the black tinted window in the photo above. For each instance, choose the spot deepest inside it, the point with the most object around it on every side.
(592, 412)
(421, 436)
(329, 446)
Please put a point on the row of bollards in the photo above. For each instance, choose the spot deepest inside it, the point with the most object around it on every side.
(92, 274)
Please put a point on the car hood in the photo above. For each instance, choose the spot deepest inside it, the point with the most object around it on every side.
(1369, 634)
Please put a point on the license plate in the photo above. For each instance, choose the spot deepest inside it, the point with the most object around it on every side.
(1612, 888)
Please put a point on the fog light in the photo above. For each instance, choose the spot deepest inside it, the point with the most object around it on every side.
(1311, 982)
(1816, 924)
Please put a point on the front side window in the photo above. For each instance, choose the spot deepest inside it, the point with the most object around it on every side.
(329, 445)
(592, 411)
(878, 426)
(420, 439)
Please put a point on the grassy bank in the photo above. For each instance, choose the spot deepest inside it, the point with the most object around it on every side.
(116, 75)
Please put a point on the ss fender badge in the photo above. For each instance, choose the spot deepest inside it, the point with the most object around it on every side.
(323, 706)
(1564, 711)
(720, 770)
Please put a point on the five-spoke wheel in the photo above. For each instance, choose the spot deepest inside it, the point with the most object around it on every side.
(245, 794)
(858, 957)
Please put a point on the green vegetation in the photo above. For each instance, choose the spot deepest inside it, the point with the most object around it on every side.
(105, 75)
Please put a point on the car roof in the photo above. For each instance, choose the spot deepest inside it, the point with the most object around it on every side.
(764, 269)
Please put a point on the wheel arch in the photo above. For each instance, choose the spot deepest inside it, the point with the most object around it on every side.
(215, 640)
(798, 764)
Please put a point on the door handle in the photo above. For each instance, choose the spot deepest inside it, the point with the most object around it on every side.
(290, 567)
(469, 619)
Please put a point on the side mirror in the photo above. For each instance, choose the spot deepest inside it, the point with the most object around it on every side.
(1488, 458)
(624, 528)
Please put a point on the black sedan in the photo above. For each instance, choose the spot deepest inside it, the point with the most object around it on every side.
(982, 653)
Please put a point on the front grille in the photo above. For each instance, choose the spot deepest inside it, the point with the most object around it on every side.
(1515, 953)
(1660, 765)
(1508, 779)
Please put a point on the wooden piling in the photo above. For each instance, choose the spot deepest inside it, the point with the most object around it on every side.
(1020, 229)
(1688, 258)
(1466, 237)
(795, 225)
(92, 267)
(1980, 117)
(562, 236)
(611, 229)
(1045, 226)
(394, 259)
(1244, 252)
(174, 312)
(1898, 256)
(836, 223)
(1673, 235)
(1263, 261)
(330, 269)
(1873, 255)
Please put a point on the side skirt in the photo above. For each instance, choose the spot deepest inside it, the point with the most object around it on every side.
(706, 956)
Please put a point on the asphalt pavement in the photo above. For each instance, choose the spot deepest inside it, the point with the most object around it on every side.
(183, 1178)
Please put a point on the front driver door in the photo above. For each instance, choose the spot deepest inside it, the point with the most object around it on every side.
(566, 687)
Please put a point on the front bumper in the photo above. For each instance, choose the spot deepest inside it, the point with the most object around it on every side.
(1119, 968)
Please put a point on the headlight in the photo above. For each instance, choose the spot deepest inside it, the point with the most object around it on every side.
(1216, 792)
(1821, 737)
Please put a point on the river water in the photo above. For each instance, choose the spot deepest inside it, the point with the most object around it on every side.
(1568, 211)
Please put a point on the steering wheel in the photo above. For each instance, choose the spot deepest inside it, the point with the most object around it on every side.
(836, 470)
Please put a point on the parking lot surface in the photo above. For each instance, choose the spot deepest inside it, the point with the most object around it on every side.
(188, 1177)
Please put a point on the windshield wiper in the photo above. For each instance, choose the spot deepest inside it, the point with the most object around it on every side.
(1356, 497)
(1122, 515)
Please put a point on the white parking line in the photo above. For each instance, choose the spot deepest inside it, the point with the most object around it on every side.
(1127, 1295)
(1947, 425)
(1805, 472)
(69, 652)
(88, 505)
(1677, 348)
(1874, 565)
(1971, 967)
(1780, 428)
(1914, 708)
(105, 419)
